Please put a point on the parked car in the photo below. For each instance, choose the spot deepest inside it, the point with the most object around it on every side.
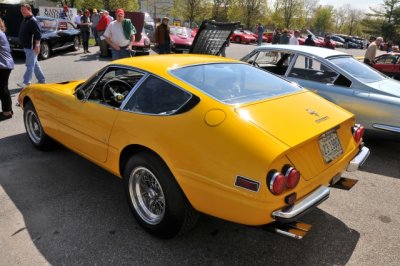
(199, 134)
(141, 45)
(240, 36)
(264, 38)
(57, 34)
(388, 64)
(338, 77)
(181, 39)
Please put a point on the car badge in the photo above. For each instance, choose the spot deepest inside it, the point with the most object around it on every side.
(312, 112)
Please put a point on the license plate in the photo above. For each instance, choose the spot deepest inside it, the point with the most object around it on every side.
(330, 146)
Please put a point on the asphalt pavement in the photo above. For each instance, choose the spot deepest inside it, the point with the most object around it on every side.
(57, 208)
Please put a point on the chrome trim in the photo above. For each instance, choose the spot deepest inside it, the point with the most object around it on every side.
(387, 128)
(359, 160)
(314, 198)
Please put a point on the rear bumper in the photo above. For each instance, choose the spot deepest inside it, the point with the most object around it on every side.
(359, 160)
(291, 213)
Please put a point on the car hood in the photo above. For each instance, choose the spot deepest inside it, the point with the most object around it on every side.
(211, 37)
(388, 85)
(295, 118)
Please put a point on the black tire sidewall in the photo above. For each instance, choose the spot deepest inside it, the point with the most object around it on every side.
(174, 215)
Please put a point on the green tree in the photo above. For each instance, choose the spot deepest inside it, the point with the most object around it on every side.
(323, 19)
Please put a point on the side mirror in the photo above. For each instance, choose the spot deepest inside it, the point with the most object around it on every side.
(80, 94)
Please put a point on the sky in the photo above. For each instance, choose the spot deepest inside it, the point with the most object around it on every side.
(358, 4)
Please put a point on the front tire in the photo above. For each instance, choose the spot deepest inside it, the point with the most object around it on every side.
(155, 197)
(34, 129)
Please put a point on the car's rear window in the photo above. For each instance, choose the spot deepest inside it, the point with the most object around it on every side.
(234, 83)
(357, 69)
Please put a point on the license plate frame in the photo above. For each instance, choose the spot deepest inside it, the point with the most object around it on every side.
(330, 146)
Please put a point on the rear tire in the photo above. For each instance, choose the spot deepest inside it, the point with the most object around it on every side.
(34, 129)
(155, 198)
(44, 51)
(75, 47)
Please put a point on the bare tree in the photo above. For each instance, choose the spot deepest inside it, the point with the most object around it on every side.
(354, 16)
(341, 15)
(290, 8)
(309, 7)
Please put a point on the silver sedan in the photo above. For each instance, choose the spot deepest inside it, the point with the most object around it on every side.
(373, 97)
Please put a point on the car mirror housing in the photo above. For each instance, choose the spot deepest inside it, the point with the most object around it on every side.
(80, 94)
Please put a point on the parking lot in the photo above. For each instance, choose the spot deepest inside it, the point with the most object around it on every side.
(58, 208)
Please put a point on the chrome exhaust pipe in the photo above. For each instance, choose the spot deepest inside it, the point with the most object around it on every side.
(295, 230)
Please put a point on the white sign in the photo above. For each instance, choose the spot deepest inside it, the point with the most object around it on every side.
(54, 12)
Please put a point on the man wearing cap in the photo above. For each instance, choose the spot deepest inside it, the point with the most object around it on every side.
(95, 20)
(101, 27)
(120, 35)
(162, 37)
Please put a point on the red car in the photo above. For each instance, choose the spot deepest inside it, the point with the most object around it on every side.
(388, 64)
(269, 36)
(264, 38)
(240, 36)
(142, 44)
(181, 39)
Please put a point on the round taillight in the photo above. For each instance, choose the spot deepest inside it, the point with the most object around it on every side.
(276, 183)
(358, 133)
(292, 177)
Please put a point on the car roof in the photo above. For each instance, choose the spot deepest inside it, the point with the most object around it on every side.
(312, 50)
(160, 64)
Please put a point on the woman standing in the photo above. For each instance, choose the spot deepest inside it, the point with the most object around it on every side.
(6, 65)
(85, 30)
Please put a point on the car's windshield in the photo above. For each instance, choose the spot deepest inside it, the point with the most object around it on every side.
(234, 83)
(179, 31)
(357, 69)
(47, 24)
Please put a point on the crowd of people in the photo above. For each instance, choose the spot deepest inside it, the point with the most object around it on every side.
(119, 34)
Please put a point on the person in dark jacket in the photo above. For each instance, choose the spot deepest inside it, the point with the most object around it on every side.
(162, 37)
(85, 26)
(29, 37)
(309, 42)
(6, 65)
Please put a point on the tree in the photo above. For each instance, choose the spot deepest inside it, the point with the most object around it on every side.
(220, 10)
(341, 15)
(323, 19)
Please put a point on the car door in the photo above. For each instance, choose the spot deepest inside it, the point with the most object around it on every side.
(86, 124)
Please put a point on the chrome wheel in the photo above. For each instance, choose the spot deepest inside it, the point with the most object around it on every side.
(147, 195)
(44, 50)
(76, 44)
(33, 127)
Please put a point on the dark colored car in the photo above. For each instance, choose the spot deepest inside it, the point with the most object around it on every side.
(388, 64)
(57, 34)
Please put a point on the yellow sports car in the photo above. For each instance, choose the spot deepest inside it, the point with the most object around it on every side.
(194, 134)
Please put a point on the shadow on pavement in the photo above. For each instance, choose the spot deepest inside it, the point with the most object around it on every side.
(384, 159)
(76, 213)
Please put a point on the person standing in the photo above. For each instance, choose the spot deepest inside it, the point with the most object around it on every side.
(276, 37)
(29, 38)
(260, 32)
(309, 42)
(95, 20)
(162, 37)
(327, 43)
(370, 53)
(101, 27)
(64, 13)
(77, 19)
(120, 35)
(284, 37)
(293, 40)
(6, 65)
(85, 31)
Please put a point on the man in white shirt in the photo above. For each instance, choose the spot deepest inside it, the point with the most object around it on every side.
(293, 40)
(77, 19)
(120, 34)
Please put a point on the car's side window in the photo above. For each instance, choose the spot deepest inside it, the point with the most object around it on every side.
(156, 96)
(387, 59)
(114, 86)
(310, 69)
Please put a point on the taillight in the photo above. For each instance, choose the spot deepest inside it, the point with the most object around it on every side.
(276, 182)
(292, 176)
(358, 132)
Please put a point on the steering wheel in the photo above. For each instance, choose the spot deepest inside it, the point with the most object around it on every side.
(114, 91)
